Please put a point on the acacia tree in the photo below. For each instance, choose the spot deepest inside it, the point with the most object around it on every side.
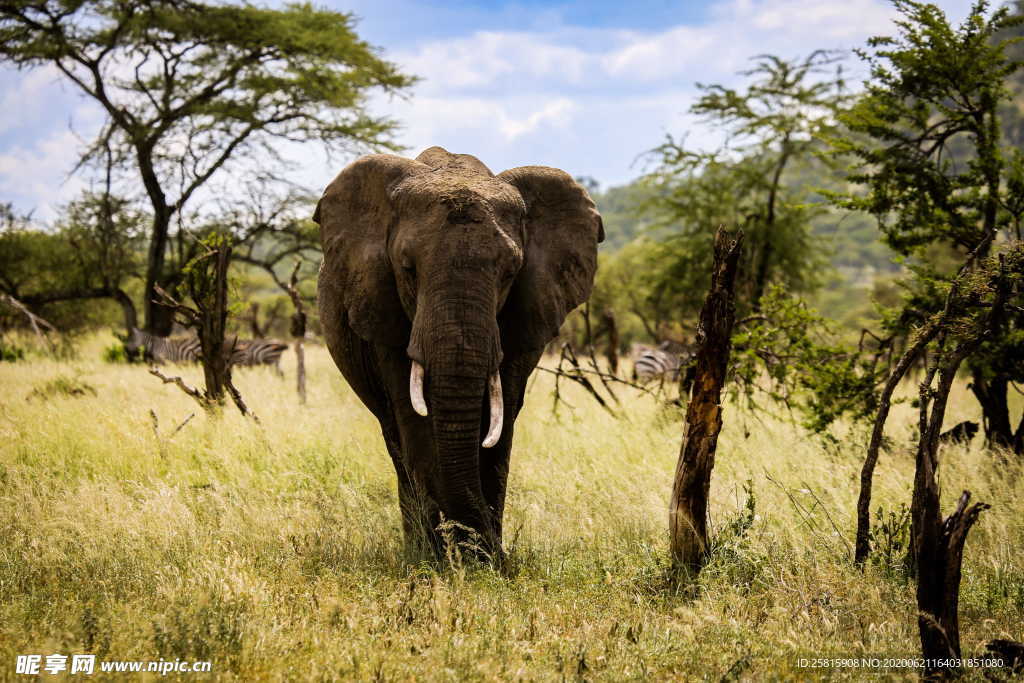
(206, 285)
(91, 253)
(772, 126)
(937, 175)
(192, 89)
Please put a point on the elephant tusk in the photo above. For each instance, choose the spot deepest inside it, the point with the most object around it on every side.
(416, 389)
(497, 411)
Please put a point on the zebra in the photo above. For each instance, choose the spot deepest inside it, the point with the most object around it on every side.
(187, 349)
(653, 364)
(666, 363)
(163, 349)
(251, 352)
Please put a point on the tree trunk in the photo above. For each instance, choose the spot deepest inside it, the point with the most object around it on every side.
(936, 561)
(937, 545)
(212, 326)
(767, 250)
(207, 283)
(992, 395)
(300, 370)
(298, 332)
(862, 545)
(919, 347)
(159, 317)
(254, 321)
(128, 308)
(940, 547)
(688, 506)
(613, 340)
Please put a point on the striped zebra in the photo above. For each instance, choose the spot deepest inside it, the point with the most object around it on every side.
(156, 349)
(187, 349)
(252, 352)
(656, 364)
(669, 362)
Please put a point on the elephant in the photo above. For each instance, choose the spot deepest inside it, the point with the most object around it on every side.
(440, 286)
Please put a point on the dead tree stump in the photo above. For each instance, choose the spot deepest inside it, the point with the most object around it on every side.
(689, 503)
(938, 544)
(608, 320)
(940, 548)
(1010, 651)
(206, 282)
(298, 330)
(211, 296)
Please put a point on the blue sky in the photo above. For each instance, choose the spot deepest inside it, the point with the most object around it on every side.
(584, 86)
(423, 21)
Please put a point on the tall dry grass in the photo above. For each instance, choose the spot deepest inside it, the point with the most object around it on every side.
(274, 550)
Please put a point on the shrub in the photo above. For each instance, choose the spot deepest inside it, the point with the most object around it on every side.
(62, 385)
(115, 353)
(11, 353)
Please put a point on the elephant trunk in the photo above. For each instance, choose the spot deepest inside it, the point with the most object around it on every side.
(457, 415)
(458, 385)
(496, 404)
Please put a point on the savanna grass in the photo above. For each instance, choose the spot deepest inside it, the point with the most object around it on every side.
(275, 551)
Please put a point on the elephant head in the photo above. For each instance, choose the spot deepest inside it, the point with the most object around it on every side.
(463, 271)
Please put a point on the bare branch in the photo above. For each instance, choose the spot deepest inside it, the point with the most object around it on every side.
(34, 320)
(199, 397)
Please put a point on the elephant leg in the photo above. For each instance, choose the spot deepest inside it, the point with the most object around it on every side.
(495, 464)
(374, 375)
(410, 443)
(420, 514)
(494, 480)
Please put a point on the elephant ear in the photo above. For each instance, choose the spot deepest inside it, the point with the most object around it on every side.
(563, 229)
(356, 278)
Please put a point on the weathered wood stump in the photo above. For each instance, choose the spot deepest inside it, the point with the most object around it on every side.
(689, 504)
(1010, 651)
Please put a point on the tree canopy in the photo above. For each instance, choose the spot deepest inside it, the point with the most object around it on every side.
(935, 169)
(190, 89)
(773, 128)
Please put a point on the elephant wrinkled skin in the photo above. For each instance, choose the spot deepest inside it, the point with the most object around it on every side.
(440, 286)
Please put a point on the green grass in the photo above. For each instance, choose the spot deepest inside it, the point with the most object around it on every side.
(275, 550)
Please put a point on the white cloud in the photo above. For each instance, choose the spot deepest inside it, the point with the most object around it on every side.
(556, 114)
(34, 162)
(659, 56)
(24, 96)
(594, 99)
(35, 177)
(822, 19)
(495, 62)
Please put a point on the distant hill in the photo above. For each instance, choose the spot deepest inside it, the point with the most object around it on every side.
(620, 209)
(852, 240)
